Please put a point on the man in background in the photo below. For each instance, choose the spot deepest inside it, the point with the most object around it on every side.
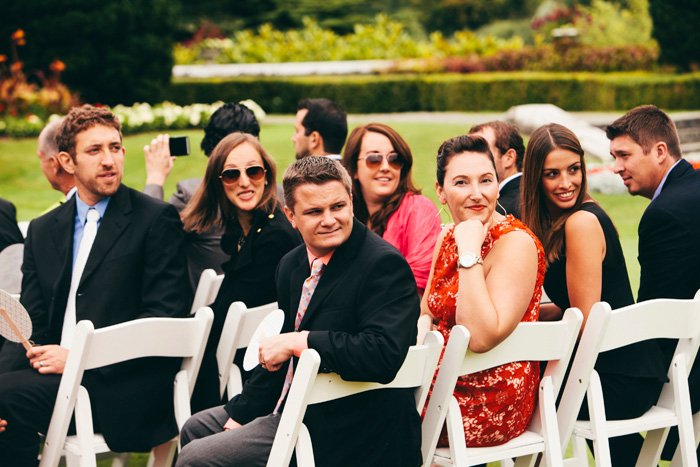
(320, 129)
(508, 151)
(47, 152)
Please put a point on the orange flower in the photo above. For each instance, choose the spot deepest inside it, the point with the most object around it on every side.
(57, 66)
(3, 58)
(17, 66)
(18, 34)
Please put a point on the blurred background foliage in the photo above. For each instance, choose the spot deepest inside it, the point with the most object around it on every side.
(123, 51)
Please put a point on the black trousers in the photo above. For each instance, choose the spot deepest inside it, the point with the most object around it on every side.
(625, 397)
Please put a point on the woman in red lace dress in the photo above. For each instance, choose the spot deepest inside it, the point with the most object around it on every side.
(487, 275)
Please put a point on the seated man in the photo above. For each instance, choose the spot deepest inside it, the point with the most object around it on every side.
(9, 230)
(124, 263)
(361, 331)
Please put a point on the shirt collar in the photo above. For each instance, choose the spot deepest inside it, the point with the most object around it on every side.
(512, 177)
(324, 259)
(661, 185)
(71, 192)
(83, 208)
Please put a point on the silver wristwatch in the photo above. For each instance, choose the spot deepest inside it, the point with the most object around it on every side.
(467, 260)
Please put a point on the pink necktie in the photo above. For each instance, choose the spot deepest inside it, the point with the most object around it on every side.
(306, 292)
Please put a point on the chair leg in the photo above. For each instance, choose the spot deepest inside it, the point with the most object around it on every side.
(121, 459)
(163, 455)
(596, 411)
(652, 447)
(676, 462)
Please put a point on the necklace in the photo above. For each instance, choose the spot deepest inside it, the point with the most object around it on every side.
(241, 240)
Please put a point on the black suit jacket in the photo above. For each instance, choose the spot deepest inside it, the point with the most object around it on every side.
(509, 197)
(362, 320)
(9, 231)
(135, 269)
(669, 256)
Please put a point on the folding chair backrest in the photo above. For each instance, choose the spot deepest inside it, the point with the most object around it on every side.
(239, 327)
(207, 289)
(608, 329)
(147, 337)
(310, 387)
(540, 341)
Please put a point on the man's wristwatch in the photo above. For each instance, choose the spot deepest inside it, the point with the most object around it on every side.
(467, 260)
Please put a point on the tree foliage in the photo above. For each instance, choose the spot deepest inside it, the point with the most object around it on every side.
(676, 30)
(115, 51)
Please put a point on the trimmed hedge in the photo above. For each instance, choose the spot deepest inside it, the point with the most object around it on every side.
(451, 92)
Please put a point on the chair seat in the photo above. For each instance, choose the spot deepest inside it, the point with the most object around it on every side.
(654, 418)
(527, 443)
(98, 443)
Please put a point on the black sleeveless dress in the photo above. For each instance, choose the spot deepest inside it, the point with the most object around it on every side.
(640, 360)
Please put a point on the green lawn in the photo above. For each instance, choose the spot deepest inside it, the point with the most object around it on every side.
(23, 183)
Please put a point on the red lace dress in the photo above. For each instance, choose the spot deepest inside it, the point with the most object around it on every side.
(496, 404)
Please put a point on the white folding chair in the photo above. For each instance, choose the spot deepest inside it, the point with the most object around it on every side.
(147, 337)
(542, 341)
(310, 387)
(240, 324)
(207, 289)
(608, 329)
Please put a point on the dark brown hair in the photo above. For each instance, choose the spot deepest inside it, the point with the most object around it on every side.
(459, 145)
(379, 219)
(80, 119)
(202, 212)
(507, 137)
(316, 170)
(535, 214)
(647, 125)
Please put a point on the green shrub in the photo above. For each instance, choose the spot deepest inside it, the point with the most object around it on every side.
(115, 51)
(385, 39)
(452, 92)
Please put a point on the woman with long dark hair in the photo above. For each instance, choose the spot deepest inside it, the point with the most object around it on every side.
(585, 265)
(238, 195)
(385, 198)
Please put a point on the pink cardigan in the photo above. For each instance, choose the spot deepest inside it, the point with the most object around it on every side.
(413, 229)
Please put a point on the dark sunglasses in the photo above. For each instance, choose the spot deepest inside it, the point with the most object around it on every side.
(374, 160)
(254, 172)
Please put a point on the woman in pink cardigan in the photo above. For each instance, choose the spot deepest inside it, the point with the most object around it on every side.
(386, 199)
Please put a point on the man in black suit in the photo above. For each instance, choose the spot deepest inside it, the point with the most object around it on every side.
(646, 148)
(361, 319)
(508, 151)
(9, 231)
(134, 269)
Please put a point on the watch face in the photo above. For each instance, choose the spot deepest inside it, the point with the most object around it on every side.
(467, 260)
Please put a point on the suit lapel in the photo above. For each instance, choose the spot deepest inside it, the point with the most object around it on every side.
(62, 236)
(335, 271)
(116, 219)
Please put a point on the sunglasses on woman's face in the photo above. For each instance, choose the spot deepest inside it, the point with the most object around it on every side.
(374, 160)
(254, 172)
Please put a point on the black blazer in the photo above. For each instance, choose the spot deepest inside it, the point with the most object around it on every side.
(669, 256)
(135, 269)
(9, 231)
(509, 197)
(250, 278)
(362, 319)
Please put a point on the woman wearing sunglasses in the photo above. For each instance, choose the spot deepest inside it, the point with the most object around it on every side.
(238, 195)
(385, 198)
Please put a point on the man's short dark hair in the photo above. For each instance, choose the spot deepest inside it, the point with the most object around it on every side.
(507, 137)
(80, 119)
(229, 118)
(647, 125)
(317, 170)
(329, 119)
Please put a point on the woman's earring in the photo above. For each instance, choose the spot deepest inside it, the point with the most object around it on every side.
(439, 215)
(505, 213)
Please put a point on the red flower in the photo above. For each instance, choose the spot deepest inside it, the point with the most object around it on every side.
(57, 66)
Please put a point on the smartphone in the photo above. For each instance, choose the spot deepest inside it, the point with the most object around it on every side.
(179, 145)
